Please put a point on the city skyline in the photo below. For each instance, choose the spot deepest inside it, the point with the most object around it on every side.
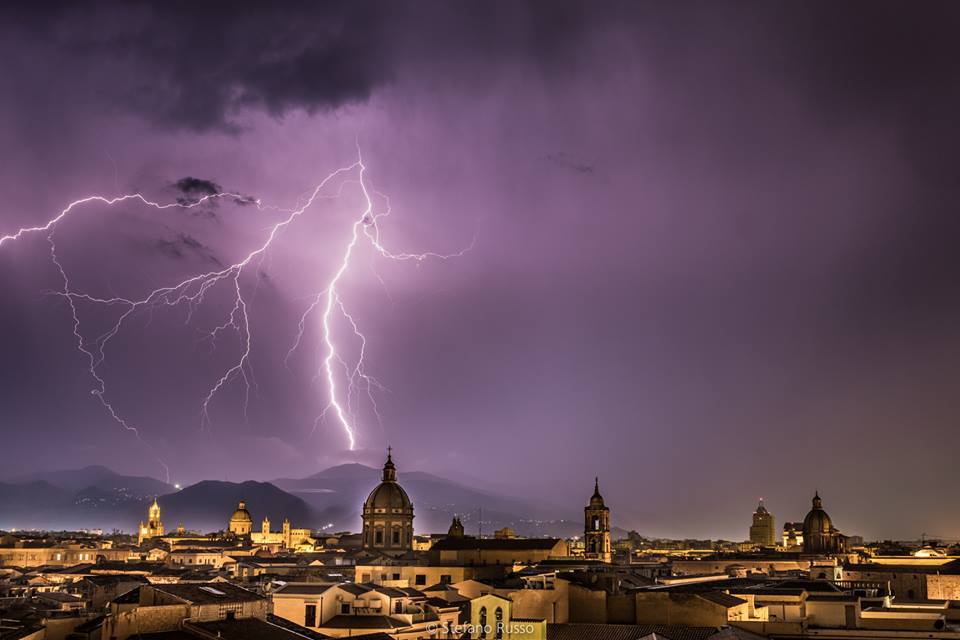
(677, 247)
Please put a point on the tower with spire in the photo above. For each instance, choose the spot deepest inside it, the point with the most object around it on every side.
(596, 527)
(153, 527)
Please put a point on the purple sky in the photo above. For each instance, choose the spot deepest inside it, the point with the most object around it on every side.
(715, 251)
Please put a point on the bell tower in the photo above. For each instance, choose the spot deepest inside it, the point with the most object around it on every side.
(596, 527)
(154, 527)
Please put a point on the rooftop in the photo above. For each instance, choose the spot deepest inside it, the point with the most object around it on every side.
(248, 628)
(209, 593)
(579, 631)
(495, 544)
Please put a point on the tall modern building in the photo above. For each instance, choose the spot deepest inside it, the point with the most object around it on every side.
(388, 515)
(763, 530)
(596, 527)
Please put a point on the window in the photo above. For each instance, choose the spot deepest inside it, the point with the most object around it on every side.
(396, 576)
(345, 608)
(310, 615)
(446, 578)
(596, 523)
(421, 578)
(499, 622)
(398, 607)
(379, 536)
(483, 622)
(229, 610)
(396, 536)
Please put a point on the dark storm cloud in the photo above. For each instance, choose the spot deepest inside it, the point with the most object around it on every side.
(196, 65)
(192, 65)
(891, 62)
(194, 187)
(891, 67)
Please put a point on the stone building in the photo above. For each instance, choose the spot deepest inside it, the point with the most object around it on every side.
(153, 527)
(819, 534)
(241, 523)
(388, 515)
(286, 538)
(792, 536)
(596, 527)
(763, 531)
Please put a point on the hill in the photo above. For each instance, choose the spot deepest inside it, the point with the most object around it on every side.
(208, 505)
(99, 477)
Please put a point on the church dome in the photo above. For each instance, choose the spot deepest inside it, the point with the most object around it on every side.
(817, 521)
(388, 494)
(241, 514)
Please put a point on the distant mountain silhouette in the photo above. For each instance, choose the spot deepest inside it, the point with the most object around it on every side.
(108, 501)
(96, 497)
(337, 495)
(27, 504)
(99, 477)
(208, 505)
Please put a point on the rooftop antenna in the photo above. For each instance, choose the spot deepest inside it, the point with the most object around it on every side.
(480, 522)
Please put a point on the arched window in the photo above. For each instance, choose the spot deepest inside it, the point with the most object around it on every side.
(483, 622)
(498, 615)
(596, 523)
(379, 536)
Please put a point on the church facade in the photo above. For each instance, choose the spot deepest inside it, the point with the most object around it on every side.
(286, 538)
(153, 527)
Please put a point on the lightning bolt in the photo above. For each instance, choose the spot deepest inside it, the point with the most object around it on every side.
(191, 292)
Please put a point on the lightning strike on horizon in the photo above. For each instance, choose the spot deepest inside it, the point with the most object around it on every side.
(191, 292)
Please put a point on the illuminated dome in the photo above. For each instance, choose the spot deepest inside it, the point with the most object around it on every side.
(241, 523)
(388, 515)
(388, 494)
(241, 514)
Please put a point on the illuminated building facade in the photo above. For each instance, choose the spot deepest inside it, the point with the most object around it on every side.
(153, 527)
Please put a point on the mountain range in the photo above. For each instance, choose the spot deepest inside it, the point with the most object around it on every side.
(97, 497)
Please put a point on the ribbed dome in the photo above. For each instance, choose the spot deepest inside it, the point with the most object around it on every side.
(388, 495)
(241, 514)
(817, 521)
